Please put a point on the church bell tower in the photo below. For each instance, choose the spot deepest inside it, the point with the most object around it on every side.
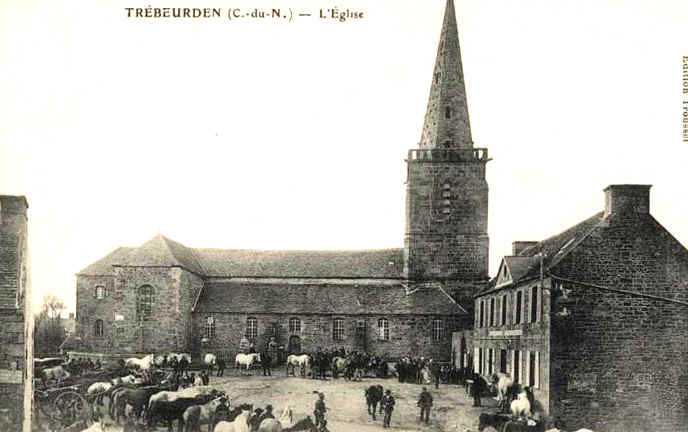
(446, 191)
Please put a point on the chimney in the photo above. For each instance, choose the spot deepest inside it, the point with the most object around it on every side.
(626, 199)
(519, 246)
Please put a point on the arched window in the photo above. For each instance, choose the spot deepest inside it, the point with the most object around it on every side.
(98, 328)
(209, 327)
(383, 329)
(294, 325)
(252, 328)
(100, 292)
(144, 303)
(437, 330)
(338, 329)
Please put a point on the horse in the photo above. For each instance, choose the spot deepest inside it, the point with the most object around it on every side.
(246, 360)
(143, 364)
(209, 361)
(270, 425)
(197, 414)
(502, 382)
(521, 405)
(240, 423)
(339, 364)
(302, 361)
(57, 373)
(98, 389)
(373, 395)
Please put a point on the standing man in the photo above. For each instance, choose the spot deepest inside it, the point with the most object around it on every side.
(266, 362)
(477, 388)
(425, 403)
(319, 411)
(387, 403)
(220, 366)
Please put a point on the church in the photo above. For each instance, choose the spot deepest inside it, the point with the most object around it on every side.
(166, 297)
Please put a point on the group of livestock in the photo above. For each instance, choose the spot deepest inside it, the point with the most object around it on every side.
(353, 365)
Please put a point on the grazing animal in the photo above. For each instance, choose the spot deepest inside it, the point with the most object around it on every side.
(270, 425)
(502, 382)
(339, 364)
(197, 414)
(137, 398)
(57, 373)
(143, 364)
(373, 395)
(209, 361)
(172, 410)
(521, 405)
(246, 360)
(303, 362)
(98, 389)
(240, 423)
(305, 424)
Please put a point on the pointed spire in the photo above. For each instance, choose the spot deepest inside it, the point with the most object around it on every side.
(446, 119)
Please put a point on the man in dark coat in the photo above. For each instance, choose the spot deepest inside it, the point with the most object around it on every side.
(477, 389)
(319, 411)
(221, 366)
(266, 362)
(387, 403)
(425, 403)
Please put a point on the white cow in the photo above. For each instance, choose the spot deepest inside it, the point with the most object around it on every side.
(246, 360)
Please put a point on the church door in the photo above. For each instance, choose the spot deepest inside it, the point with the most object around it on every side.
(295, 345)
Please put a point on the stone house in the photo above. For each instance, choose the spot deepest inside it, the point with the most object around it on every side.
(595, 320)
(165, 296)
(16, 315)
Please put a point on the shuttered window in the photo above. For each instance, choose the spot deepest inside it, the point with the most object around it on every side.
(490, 361)
(480, 362)
(517, 366)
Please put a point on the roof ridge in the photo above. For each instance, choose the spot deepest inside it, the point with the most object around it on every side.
(565, 251)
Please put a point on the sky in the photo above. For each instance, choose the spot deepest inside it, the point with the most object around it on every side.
(292, 134)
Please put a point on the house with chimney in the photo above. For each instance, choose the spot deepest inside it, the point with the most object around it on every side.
(594, 320)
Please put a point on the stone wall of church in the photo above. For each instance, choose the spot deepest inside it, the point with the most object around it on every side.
(408, 335)
(167, 329)
(446, 231)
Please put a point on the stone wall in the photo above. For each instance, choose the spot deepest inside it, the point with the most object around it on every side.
(16, 338)
(408, 335)
(169, 327)
(446, 220)
(619, 362)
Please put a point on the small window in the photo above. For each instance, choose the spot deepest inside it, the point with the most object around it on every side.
(519, 300)
(100, 292)
(98, 328)
(251, 328)
(447, 112)
(209, 327)
(480, 361)
(294, 325)
(383, 329)
(534, 304)
(338, 329)
(492, 312)
(437, 330)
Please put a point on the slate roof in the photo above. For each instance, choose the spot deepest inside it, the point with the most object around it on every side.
(377, 263)
(344, 299)
(526, 265)
(163, 252)
(103, 266)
